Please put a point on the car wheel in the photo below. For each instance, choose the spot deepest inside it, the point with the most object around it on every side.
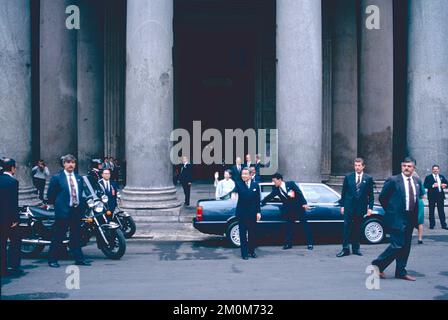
(373, 231)
(233, 234)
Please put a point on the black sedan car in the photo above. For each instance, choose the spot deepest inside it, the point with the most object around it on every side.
(217, 217)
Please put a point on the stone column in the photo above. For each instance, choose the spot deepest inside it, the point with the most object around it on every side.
(376, 91)
(427, 130)
(299, 89)
(90, 84)
(149, 106)
(345, 87)
(58, 102)
(15, 85)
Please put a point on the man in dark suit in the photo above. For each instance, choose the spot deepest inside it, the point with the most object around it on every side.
(399, 198)
(258, 165)
(110, 189)
(66, 193)
(247, 212)
(356, 201)
(236, 170)
(9, 219)
(294, 207)
(185, 177)
(435, 183)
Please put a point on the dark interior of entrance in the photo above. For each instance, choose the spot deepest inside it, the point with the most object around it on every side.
(224, 66)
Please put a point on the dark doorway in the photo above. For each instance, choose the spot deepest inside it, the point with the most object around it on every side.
(217, 54)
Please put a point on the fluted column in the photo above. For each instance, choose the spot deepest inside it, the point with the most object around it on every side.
(58, 102)
(427, 130)
(299, 89)
(376, 86)
(15, 87)
(149, 105)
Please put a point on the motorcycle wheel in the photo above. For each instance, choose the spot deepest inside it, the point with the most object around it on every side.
(31, 250)
(117, 244)
(129, 227)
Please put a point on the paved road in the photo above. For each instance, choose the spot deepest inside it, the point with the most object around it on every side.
(209, 269)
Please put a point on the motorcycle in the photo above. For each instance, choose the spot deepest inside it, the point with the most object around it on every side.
(124, 219)
(37, 228)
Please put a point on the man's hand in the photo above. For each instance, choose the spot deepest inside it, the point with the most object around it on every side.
(443, 185)
(258, 216)
(342, 210)
(15, 224)
(305, 206)
(435, 185)
(189, 183)
(369, 212)
(216, 175)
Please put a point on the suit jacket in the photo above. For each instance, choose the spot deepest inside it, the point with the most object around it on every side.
(248, 204)
(185, 174)
(9, 201)
(433, 192)
(59, 195)
(393, 200)
(292, 206)
(111, 194)
(353, 202)
(236, 175)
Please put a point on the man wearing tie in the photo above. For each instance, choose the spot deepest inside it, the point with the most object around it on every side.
(65, 192)
(110, 189)
(186, 178)
(435, 183)
(356, 201)
(294, 206)
(247, 212)
(236, 170)
(399, 198)
(9, 219)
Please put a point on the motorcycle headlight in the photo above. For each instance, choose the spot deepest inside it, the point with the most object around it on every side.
(90, 203)
(104, 199)
(99, 207)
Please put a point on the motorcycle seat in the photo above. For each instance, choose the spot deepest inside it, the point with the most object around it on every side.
(42, 213)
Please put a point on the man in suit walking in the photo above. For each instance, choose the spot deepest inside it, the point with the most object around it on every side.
(66, 193)
(110, 189)
(399, 198)
(436, 183)
(185, 177)
(294, 207)
(236, 170)
(356, 201)
(9, 219)
(247, 212)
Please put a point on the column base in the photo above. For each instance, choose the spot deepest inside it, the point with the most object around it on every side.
(28, 196)
(148, 199)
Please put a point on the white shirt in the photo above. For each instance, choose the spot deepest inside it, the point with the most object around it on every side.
(358, 175)
(439, 183)
(283, 186)
(9, 174)
(248, 183)
(224, 187)
(69, 187)
(249, 164)
(406, 188)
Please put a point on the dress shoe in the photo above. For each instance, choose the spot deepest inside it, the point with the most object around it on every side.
(287, 246)
(54, 264)
(431, 227)
(357, 252)
(82, 263)
(343, 253)
(245, 258)
(445, 227)
(310, 247)
(420, 242)
(253, 255)
(406, 277)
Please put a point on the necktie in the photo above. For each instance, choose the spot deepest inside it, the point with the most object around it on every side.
(411, 196)
(438, 183)
(358, 183)
(73, 191)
